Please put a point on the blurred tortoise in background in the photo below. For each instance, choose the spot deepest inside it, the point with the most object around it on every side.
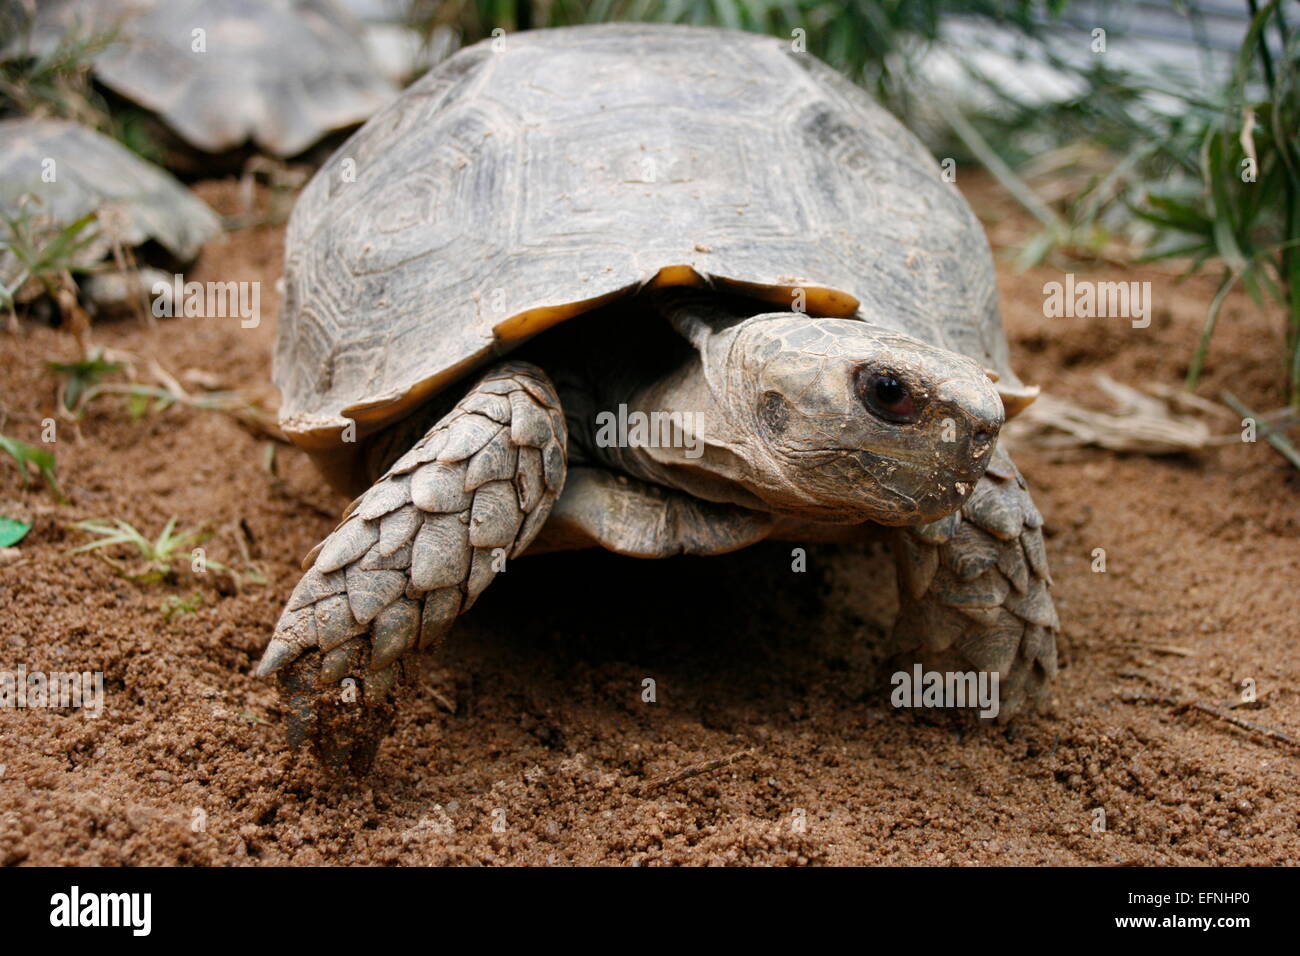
(395, 46)
(694, 228)
(71, 198)
(282, 73)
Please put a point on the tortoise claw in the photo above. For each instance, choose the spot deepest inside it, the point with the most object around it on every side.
(344, 724)
(277, 654)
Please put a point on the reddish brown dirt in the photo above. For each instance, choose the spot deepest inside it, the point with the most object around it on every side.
(533, 719)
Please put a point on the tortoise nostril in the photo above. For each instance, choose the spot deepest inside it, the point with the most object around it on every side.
(976, 405)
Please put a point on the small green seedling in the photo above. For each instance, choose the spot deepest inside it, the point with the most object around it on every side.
(47, 261)
(176, 606)
(142, 400)
(157, 558)
(79, 378)
(55, 81)
(27, 457)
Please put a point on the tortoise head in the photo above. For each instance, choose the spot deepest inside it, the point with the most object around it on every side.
(838, 420)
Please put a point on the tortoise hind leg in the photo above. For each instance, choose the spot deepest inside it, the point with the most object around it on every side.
(973, 590)
(413, 553)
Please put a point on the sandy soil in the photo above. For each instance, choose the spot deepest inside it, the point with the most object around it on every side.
(532, 719)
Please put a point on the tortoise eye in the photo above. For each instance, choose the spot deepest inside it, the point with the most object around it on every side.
(886, 396)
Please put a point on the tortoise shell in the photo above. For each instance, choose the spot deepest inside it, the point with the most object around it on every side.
(530, 178)
(53, 172)
(280, 72)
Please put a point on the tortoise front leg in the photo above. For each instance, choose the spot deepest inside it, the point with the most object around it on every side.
(973, 589)
(412, 554)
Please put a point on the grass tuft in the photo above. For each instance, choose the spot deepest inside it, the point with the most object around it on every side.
(28, 458)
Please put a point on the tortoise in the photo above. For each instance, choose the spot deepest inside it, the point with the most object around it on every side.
(281, 72)
(702, 235)
(54, 173)
(397, 48)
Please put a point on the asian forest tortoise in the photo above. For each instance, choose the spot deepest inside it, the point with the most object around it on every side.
(699, 229)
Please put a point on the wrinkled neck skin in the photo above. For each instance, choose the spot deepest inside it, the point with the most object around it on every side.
(762, 413)
(674, 402)
(707, 457)
(721, 456)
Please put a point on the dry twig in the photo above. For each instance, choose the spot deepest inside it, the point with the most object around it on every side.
(1213, 711)
(694, 770)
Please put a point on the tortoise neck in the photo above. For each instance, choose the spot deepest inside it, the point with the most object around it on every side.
(674, 433)
(696, 314)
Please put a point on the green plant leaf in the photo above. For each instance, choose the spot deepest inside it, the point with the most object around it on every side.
(12, 531)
